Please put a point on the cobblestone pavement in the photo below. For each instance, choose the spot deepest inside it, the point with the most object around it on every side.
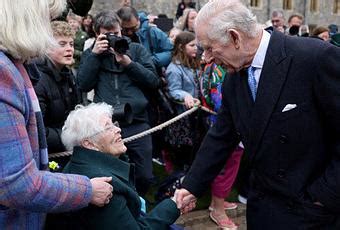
(200, 220)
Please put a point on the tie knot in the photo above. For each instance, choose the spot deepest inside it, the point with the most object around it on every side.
(251, 70)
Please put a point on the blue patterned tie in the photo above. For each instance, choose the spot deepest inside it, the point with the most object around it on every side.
(252, 81)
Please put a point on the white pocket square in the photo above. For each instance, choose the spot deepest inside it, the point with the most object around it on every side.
(289, 107)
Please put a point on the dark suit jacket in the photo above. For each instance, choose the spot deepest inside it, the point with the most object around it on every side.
(294, 155)
(123, 211)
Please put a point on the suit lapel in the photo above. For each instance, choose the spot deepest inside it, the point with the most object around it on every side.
(273, 77)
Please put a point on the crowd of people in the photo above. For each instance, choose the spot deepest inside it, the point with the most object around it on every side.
(84, 83)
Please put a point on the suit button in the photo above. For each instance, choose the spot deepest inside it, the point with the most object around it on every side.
(281, 173)
(283, 139)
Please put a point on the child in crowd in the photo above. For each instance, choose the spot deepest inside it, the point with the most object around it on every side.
(182, 76)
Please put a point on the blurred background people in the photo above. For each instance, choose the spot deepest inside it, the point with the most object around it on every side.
(28, 190)
(119, 79)
(155, 41)
(333, 29)
(184, 4)
(98, 150)
(321, 32)
(173, 34)
(294, 22)
(278, 20)
(186, 21)
(81, 36)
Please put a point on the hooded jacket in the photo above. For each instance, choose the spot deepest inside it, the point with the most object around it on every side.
(155, 41)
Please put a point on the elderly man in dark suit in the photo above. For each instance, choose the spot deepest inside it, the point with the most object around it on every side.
(282, 100)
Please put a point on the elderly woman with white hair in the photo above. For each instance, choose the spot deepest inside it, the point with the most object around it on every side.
(27, 189)
(98, 150)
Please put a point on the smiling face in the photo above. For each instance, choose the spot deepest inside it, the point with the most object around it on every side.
(109, 140)
(62, 54)
(229, 55)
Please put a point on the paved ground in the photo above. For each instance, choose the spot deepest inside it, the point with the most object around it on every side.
(200, 220)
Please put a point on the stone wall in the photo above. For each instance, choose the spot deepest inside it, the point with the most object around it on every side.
(323, 16)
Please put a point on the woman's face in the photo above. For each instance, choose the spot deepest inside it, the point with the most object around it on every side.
(87, 21)
(324, 36)
(191, 20)
(109, 140)
(62, 54)
(191, 49)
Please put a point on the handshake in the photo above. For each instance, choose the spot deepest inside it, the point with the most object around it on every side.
(184, 200)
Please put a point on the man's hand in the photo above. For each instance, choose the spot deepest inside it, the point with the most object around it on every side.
(185, 200)
(101, 191)
(101, 44)
(122, 59)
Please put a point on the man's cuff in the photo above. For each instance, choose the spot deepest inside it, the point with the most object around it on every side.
(320, 192)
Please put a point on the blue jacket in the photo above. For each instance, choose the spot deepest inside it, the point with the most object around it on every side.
(160, 43)
(181, 82)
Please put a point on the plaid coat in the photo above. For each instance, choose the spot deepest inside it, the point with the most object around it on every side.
(27, 190)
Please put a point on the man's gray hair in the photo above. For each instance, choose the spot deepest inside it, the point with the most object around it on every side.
(106, 19)
(25, 30)
(219, 16)
(278, 13)
(83, 122)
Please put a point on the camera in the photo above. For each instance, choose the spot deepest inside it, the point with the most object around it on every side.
(294, 30)
(119, 44)
(123, 113)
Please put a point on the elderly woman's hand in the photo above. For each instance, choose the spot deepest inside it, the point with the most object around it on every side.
(101, 191)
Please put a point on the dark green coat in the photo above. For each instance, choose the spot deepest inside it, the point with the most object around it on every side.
(123, 211)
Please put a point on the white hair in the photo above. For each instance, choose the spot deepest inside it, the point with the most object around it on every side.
(221, 15)
(83, 122)
(56, 8)
(25, 30)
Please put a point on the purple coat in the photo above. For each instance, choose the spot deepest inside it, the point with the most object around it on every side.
(27, 190)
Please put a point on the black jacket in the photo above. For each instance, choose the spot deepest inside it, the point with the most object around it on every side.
(114, 83)
(294, 155)
(58, 95)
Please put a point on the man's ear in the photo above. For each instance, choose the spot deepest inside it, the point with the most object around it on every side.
(234, 37)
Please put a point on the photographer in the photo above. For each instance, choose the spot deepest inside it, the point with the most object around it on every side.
(119, 75)
(294, 22)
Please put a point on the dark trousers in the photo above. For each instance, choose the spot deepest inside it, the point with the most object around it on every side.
(268, 211)
(140, 153)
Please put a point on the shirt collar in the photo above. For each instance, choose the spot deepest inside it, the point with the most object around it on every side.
(261, 51)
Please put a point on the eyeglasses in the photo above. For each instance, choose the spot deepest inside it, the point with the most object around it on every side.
(130, 29)
(107, 128)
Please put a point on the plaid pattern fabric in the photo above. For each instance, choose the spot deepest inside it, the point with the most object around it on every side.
(26, 190)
